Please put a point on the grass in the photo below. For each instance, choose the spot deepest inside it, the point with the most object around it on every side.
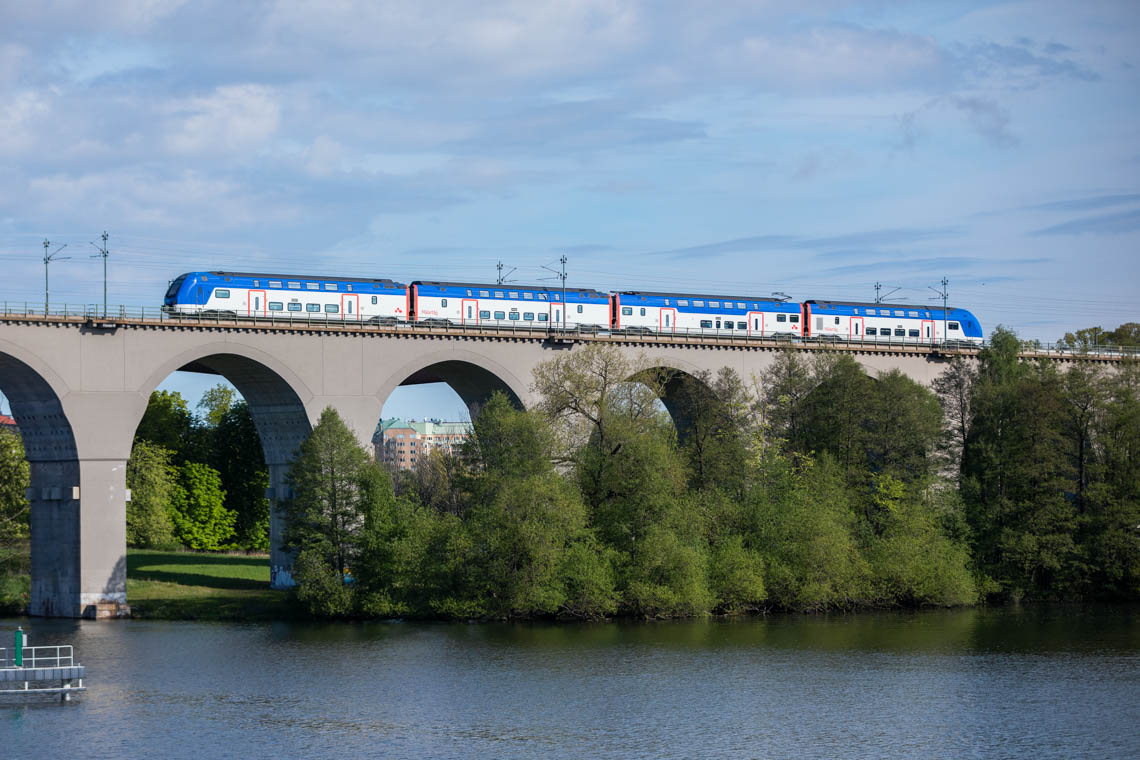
(182, 585)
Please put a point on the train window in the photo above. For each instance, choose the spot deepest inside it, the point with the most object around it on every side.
(374, 299)
(312, 286)
(528, 316)
(899, 312)
(872, 331)
(555, 297)
(913, 333)
(331, 308)
(715, 304)
(542, 296)
(484, 315)
(739, 305)
(528, 296)
(900, 333)
(276, 306)
(781, 317)
(500, 315)
(294, 285)
(513, 294)
(718, 325)
(682, 302)
(484, 294)
(579, 308)
(627, 311)
(543, 317)
(222, 293)
(275, 283)
(706, 323)
(700, 304)
(755, 323)
(330, 286)
(312, 307)
(469, 291)
(794, 318)
(514, 315)
(643, 311)
(348, 287)
(294, 306)
(443, 302)
(954, 326)
(741, 325)
(498, 294)
(912, 314)
(856, 309)
(837, 320)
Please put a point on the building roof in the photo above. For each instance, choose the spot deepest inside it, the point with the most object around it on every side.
(427, 427)
(6, 421)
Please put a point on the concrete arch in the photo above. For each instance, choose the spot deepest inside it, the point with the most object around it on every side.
(474, 377)
(276, 395)
(678, 388)
(37, 405)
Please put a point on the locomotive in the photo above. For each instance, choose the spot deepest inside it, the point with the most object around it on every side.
(429, 303)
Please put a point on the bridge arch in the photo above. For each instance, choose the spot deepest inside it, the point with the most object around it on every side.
(474, 377)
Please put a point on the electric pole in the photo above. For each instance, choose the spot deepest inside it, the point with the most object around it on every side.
(103, 253)
(945, 295)
(562, 275)
(879, 298)
(48, 258)
(503, 277)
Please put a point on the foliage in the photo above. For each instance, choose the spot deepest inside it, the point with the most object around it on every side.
(14, 481)
(1089, 338)
(151, 480)
(201, 520)
(236, 453)
(167, 423)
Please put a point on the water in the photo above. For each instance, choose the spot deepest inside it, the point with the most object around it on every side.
(1039, 683)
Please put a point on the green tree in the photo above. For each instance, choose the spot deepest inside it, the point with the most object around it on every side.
(168, 423)
(326, 513)
(785, 387)
(236, 453)
(151, 479)
(954, 388)
(215, 403)
(15, 477)
(201, 520)
(720, 430)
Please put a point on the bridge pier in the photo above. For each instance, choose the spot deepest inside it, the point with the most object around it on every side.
(78, 536)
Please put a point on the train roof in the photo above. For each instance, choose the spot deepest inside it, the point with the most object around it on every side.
(699, 295)
(510, 286)
(871, 305)
(264, 275)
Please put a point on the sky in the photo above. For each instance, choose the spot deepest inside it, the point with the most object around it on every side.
(810, 148)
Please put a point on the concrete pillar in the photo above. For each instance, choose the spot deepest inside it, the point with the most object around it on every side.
(78, 527)
(280, 560)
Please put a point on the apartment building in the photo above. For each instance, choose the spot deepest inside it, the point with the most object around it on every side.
(403, 442)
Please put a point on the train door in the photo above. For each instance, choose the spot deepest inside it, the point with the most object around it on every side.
(756, 323)
(469, 311)
(667, 320)
(556, 315)
(856, 328)
(350, 305)
(257, 306)
(928, 331)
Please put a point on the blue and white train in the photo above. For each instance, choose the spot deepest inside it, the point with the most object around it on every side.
(536, 306)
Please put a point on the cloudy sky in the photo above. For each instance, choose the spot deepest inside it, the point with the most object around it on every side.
(813, 148)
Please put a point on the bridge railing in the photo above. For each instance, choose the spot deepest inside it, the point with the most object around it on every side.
(96, 313)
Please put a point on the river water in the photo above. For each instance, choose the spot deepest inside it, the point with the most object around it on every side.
(1029, 683)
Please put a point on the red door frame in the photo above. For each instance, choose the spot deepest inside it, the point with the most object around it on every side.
(933, 330)
(751, 317)
(661, 326)
(350, 298)
(264, 305)
(851, 334)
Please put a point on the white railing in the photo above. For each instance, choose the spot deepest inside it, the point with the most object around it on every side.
(39, 657)
(94, 313)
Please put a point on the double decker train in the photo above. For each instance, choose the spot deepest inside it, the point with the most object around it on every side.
(428, 303)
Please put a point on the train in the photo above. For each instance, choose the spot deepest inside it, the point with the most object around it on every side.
(430, 303)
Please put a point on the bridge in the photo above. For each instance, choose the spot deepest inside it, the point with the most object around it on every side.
(78, 384)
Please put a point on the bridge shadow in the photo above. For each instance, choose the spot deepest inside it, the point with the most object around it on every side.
(213, 571)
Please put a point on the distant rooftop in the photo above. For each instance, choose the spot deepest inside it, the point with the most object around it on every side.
(426, 427)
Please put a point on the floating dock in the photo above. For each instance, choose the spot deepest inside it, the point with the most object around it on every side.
(28, 670)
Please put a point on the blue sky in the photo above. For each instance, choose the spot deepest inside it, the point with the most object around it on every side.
(811, 148)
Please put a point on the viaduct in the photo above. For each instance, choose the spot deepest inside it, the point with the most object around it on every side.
(78, 387)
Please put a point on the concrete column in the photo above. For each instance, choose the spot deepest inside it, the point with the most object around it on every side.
(280, 560)
(78, 527)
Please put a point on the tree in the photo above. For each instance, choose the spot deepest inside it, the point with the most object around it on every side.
(216, 402)
(326, 513)
(150, 477)
(15, 477)
(784, 389)
(201, 520)
(236, 453)
(168, 423)
(721, 428)
(954, 388)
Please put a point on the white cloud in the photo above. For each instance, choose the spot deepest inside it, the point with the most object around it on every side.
(234, 118)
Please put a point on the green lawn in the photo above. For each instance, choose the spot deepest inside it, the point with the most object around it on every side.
(182, 585)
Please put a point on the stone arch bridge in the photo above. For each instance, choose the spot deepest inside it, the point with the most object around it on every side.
(78, 388)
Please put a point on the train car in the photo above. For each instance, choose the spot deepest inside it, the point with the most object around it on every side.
(642, 311)
(244, 294)
(889, 323)
(533, 306)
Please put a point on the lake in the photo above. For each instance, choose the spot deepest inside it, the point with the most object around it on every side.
(1035, 682)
